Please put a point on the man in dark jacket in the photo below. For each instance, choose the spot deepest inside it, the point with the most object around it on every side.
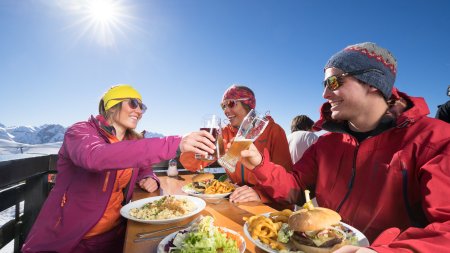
(443, 112)
(384, 166)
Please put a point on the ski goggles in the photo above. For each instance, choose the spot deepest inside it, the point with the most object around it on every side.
(230, 103)
(334, 82)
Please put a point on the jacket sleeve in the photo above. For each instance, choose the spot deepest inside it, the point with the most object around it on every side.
(434, 178)
(279, 148)
(187, 159)
(284, 186)
(146, 173)
(87, 149)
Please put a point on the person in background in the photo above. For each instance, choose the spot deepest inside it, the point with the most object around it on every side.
(237, 101)
(386, 175)
(301, 136)
(100, 162)
(443, 112)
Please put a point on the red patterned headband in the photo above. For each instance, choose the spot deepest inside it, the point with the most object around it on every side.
(237, 92)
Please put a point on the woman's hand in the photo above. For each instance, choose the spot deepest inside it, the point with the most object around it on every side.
(149, 184)
(200, 142)
(244, 194)
(251, 157)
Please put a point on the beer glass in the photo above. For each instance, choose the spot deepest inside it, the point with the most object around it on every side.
(251, 128)
(211, 124)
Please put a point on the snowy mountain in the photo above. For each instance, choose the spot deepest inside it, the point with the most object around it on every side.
(48, 133)
(29, 140)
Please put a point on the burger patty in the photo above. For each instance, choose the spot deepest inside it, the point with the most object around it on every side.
(302, 238)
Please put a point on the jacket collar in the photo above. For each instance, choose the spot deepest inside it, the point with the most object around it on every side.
(103, 127)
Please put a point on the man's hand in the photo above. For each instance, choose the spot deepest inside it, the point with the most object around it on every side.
(354, 249)
(149, 184)
(244, 194)
(251, 157)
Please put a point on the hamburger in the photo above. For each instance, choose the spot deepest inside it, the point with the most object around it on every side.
(201, 181)
(317, 230)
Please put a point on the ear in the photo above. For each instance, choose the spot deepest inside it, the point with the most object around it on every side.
(372, 89)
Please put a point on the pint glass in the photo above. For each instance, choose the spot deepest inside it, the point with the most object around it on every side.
(211, 124)
(251, 128)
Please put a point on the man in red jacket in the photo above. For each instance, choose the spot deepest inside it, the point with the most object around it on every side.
(384, 165)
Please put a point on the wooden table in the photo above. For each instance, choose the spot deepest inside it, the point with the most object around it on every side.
(226, 214)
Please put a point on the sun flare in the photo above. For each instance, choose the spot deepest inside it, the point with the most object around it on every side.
(103, 20)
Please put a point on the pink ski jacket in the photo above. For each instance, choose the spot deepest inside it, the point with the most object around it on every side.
(87, 165)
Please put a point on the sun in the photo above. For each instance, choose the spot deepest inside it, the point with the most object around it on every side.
(103, 20)
(103, 11)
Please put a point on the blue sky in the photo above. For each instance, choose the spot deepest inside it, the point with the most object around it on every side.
(56, 62)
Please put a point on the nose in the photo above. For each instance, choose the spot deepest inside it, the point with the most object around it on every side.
(326, 93)
(138, 109)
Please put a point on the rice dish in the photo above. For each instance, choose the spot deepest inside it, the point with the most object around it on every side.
(165, 208)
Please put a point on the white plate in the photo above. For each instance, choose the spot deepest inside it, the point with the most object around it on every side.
(125, 210)
(362, 240)
(166, 239)
(192, 192)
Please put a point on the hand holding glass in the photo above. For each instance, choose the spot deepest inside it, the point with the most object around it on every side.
(251, 128)
(211, 124)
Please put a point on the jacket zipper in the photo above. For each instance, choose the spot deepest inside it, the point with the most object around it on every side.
(105, 184)
(352, 179)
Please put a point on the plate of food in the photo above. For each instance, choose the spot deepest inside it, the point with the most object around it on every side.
(306, 230)
(163, 209)
(205, 186)
(203, 235)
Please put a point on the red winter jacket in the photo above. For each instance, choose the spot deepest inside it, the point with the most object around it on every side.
(393, 185)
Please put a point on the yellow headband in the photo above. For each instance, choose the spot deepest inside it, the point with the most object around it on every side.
(113, 96)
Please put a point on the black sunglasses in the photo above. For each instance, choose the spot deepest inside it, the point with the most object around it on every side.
(334, 82)
(133, 103)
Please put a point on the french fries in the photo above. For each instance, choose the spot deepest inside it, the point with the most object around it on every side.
(266, 228)
(217, 187)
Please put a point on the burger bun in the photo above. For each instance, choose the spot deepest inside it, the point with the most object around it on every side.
(203, 177)
(314, 219)
(311, 249)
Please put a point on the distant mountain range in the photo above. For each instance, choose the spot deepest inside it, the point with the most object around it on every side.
(45, 139)
(48, 133)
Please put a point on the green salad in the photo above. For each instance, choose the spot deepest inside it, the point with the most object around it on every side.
(203, 237)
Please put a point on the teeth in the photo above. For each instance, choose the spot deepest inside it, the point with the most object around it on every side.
(333, 104)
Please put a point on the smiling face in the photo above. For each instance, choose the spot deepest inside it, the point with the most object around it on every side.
(350, 101)
(126, 117)
(236, 114)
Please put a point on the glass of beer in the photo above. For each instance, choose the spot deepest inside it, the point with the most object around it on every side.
(211, 124)
(251, 128)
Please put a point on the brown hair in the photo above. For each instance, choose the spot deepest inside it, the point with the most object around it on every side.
(301, 122)
(130, 134)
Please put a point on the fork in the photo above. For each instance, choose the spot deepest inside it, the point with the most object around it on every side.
(147, 234)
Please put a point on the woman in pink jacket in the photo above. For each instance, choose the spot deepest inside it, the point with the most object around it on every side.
(99, 164)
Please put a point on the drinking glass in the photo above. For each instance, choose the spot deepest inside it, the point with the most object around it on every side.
(211, 124)
(251, 128)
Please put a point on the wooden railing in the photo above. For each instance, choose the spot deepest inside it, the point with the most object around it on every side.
(26, 180)
(23, 180)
